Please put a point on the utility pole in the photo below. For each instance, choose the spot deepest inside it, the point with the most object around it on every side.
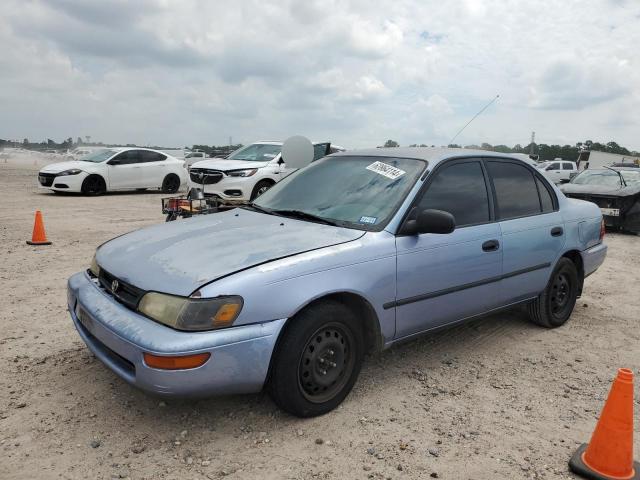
(533, 139)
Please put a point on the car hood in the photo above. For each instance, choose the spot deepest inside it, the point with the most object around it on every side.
(226, 165)
(62, 166)
(606, 190)
(179, 257)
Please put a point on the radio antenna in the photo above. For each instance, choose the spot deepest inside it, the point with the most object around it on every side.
(474, 117)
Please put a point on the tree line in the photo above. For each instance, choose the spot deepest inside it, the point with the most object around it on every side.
(544, 151)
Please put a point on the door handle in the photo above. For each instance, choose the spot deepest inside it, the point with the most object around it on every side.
(557, 231)
(491, 245)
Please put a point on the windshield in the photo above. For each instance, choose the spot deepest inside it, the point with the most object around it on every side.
(99, 155)
(607, 178)
(357, 192)
(257, 152)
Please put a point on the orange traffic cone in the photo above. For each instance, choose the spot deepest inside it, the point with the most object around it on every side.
(609, 455)
(38, 237)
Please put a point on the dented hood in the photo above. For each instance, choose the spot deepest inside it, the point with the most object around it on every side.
(179, 257)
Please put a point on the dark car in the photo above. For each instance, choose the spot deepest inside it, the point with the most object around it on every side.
(615, 190)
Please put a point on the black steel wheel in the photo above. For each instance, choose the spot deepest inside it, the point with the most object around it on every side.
(326, 363)
(317, 360)
(554, 306)
(94, 185)
(171, 183)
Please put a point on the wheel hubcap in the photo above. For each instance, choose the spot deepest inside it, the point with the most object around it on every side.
(326, 363)
(261, 190)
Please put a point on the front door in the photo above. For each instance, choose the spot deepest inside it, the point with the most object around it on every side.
(125, 170)
(445, 278)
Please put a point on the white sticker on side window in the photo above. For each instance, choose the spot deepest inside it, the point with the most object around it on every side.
(386, 170)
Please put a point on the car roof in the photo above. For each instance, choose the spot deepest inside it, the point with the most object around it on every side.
(433, 155)
(270, 142)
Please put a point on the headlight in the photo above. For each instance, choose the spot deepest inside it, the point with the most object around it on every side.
(242, 173)
(94, 268)
(191, 313)
(73, 171)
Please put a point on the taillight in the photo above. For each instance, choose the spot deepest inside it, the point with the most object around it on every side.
(602, 229)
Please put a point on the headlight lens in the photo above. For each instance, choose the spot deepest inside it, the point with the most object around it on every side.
(73, 171)
(94, 268)
(193, 314)
(242, 173)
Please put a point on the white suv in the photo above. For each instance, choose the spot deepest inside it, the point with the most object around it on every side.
(248, 172)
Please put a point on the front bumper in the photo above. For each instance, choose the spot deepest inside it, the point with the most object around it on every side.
(593, 257)
(67, 183)
(239, 359)
(228, 184)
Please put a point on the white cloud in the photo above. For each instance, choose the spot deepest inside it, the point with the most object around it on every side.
(354, 72)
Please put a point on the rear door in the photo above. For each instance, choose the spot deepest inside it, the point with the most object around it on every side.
(154, 169)
(125, 170)
(532, 228)
(445, 278)
(554, 172)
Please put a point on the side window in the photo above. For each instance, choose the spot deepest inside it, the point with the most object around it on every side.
(123, 158)
(546, 198)
(567, 166)
(554, 166)
(129, 157)
(459, 189)
(148, 156)
(319, 151)
(516, 190)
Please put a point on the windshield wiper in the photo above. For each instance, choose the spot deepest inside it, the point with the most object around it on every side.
(622, 182)
(304, 216)
(253, 206)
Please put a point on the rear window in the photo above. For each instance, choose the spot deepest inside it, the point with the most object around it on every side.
(516, 190)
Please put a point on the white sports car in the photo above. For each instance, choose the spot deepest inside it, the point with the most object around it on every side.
(111, 169)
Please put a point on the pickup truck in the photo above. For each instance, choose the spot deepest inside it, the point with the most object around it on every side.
(559, 171)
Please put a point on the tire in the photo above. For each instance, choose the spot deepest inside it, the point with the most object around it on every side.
(261, 187)
(171, 183)
(93, 185)
(554, 306)
(325, 337)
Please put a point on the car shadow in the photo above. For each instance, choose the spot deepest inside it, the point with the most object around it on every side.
(379, 370)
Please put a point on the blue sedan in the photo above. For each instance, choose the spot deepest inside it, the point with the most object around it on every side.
(349, 255)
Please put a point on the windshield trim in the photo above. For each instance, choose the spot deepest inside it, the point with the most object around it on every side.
(380, 226)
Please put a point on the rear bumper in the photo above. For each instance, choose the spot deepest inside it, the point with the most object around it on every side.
(593, 257)
(117, 336)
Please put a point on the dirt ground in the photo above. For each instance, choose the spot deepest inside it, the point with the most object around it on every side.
(495, 398)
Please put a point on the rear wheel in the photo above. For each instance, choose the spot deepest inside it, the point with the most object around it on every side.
(171, 183)
(93, 185)
(554, 306)
(261, 187)
(317, 361)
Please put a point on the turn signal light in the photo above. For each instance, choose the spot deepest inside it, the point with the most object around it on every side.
(179, 362)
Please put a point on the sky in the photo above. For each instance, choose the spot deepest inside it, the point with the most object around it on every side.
(354, 72)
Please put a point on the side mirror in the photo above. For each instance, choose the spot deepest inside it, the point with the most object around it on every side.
(280, 161)
(550, 167)
(115, 161)
(430, 221)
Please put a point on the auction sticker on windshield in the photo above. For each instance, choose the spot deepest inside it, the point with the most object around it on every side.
(386, 170)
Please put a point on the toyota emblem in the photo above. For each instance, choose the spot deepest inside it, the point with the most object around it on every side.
(114, 286)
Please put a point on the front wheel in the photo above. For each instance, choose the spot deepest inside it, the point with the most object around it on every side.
(554, 306)
(93, 185)
(317, 361)
(260, 188)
